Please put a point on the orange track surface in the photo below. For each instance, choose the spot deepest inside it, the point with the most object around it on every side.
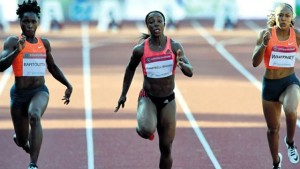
(225, 105)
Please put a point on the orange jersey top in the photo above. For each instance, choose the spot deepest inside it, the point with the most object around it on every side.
(281, 54)
(158, 64)
(31, 61)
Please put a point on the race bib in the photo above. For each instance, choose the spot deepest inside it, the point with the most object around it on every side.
(283, 57)
(159, 66)
(34, 64)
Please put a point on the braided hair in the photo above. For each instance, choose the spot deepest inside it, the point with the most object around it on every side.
(30, 6)
(272, 18)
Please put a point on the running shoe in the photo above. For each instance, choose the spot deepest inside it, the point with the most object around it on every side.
(151, 137)
(26, 147)
(278, 165)
(292, 152)
(32, 166)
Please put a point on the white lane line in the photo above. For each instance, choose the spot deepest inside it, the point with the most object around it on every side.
(4, 79)
(196, 128)
(87, 93)
(220, 48)
(253, 26)
(234, 41)
(191, 119)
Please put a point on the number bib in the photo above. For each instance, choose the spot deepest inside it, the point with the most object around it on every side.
(283, 56)
(34, 64)
(159, 66)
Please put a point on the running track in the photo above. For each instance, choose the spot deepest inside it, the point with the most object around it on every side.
(219, 122)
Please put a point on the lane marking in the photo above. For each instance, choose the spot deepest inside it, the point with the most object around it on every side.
(191, 119)
(196, 128)
(131, 124)
(4, 79)
(234, 41)
(87, 93)
(220, 48)
(253, 26)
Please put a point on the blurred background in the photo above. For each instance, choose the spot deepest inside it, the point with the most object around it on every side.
(110, 14)
(92, 41)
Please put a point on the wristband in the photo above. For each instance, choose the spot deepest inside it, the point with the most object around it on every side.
(264, 44)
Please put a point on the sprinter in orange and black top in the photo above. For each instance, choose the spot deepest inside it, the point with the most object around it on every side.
(277, 46)
(159, 56)
(30, 56)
